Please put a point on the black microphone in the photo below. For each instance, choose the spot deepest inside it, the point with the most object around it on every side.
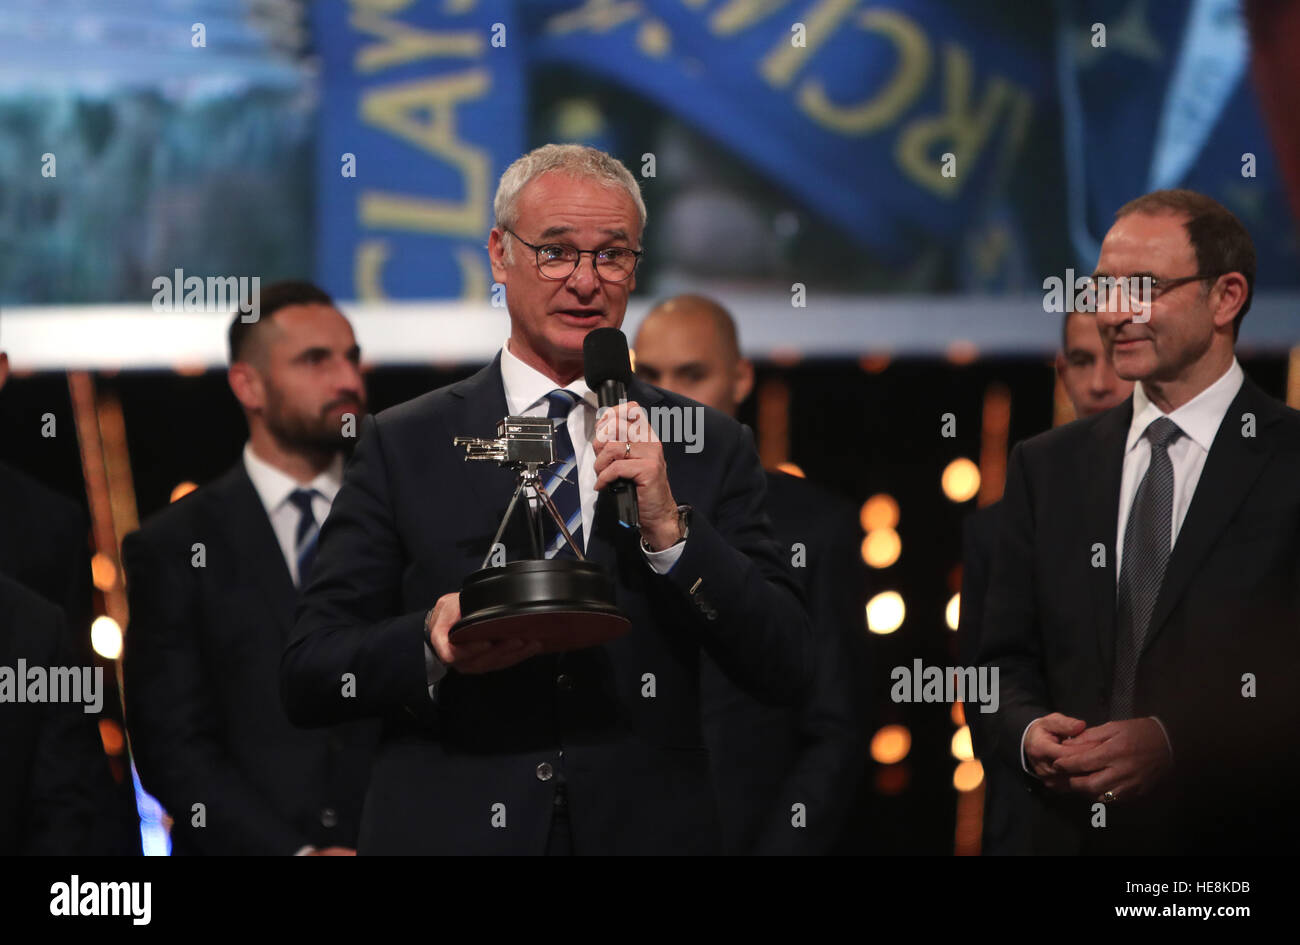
(608, 371)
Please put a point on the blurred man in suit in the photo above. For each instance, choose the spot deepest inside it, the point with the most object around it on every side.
(785, 777)
(55, 777)
(43, 546)
(495, 747)
(43, 542)
(1092, 387)
(1143, 605)
(212, 585)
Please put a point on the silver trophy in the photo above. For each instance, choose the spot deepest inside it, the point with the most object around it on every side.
(565, 603)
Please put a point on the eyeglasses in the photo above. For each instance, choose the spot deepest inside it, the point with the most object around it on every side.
(1135, 288)
(558, 260)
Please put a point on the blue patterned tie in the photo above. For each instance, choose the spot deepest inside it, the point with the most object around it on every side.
(307, 533)
(1146, 554)
(561, 478)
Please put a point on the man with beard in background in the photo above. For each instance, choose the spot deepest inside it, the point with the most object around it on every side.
(213, 581)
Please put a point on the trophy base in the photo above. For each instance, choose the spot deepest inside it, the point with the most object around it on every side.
(563, 603)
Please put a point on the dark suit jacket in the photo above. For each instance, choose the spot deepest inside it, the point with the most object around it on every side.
(1006, 807)
(413, 520)
(54, 775)
(766, 759)
(43, 546)
(201, 670)
(1229, 605)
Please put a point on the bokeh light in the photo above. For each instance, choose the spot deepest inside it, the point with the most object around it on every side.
(961, 480)
(885, 612)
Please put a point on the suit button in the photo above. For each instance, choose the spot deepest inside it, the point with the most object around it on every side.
(328, 817)
(564, 681)
(545, 772)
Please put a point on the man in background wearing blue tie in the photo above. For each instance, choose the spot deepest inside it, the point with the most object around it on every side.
(496, 747)
(212, 583)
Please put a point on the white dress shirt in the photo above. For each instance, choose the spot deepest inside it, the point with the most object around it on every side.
(1199, 419)
(274, 486)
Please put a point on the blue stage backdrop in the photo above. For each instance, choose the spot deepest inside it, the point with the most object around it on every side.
(898, 121)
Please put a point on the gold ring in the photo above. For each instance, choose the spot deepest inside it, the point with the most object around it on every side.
(627, 450)
(1109, 797)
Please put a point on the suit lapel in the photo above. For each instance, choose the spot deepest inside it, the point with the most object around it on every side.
(1103, 472)
(1231, 468)
(242, 520)
(482, 406)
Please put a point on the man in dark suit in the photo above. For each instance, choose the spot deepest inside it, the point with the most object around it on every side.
(55, 776)
(494, 747)
(785, 777)
(43, 542)
(43, 545)
(1092, 387)
(212, 589)
(1143, 606)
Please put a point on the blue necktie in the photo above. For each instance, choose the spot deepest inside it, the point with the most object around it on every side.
(561, 478)
(308, 531)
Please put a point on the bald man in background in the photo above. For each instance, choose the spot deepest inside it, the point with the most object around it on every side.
(784, 778)
(1092, 386)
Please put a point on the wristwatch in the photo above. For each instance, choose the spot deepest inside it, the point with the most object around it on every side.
(683, 525)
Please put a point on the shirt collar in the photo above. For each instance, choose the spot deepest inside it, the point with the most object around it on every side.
(1199, 418)
(274, 485)
(525, 385)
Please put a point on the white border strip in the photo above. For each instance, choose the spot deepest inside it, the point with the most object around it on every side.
(112, 337)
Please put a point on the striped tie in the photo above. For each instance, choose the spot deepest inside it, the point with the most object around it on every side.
(308, 531)
(561, 479)
(1146, 553)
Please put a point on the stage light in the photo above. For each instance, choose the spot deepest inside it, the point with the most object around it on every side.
(103, 572)
(968, 776)
(182, 489)
(106, 637)
(891, 744)
(110, 733)
(790, 469)
(961, 480)
(873, 363)
(962, 352)
(881, 547)
(880, 511)
(885, 612)
(952, 613)
(961, 745)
